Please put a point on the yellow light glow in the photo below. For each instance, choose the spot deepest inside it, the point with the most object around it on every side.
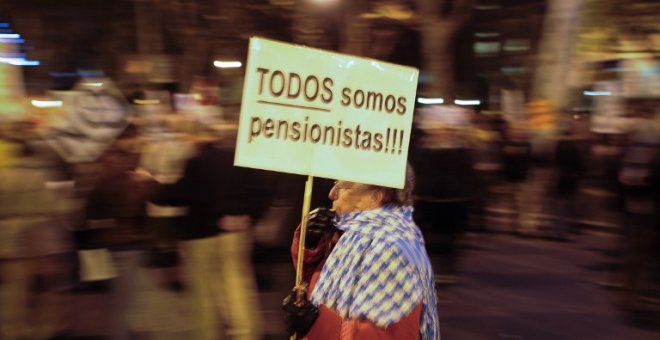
(146, 101)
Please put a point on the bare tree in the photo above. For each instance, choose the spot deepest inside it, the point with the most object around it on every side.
(439, 22)
(191, 31)
(556, 50)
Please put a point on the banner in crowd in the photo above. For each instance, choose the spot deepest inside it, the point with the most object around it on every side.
(311, 112)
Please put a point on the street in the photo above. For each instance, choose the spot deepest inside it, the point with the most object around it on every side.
(507, 288)
(517, 288)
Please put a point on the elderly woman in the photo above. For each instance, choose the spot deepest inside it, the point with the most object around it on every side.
(367, 269)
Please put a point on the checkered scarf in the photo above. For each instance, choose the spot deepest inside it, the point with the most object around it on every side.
(379, 270)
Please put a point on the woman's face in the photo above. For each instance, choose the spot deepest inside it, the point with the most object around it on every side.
(349, 197)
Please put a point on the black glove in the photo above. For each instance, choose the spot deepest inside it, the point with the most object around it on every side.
(299, 314)
(319, 224)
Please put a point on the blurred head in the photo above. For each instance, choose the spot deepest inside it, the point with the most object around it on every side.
(350, 196)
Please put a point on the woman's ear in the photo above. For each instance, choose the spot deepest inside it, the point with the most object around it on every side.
(378, 197)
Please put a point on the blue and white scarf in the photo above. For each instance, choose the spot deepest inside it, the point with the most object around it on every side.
(379, 270)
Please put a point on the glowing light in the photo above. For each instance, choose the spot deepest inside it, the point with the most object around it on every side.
(90, 73)
(487, 7)
(9, 35)
(227, 64)
(4, 24)
(513, 69)
(427, 101)
(12, 40)
(46, 103)
(28, 63)
(486, 34)
(516, 45)
(486, 47)
(467, 102)
(146, 101)
(509, 48)
(597, 93)
(94, 84)
(19, 62)
(63, 74)
(12, 55)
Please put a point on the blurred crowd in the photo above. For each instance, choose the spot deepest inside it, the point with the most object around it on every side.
(511, 176)
(166, 197)
(167, 201)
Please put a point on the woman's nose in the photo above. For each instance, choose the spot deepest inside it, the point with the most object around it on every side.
(332, 195)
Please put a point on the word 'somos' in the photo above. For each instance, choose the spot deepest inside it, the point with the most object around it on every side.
(312, 88)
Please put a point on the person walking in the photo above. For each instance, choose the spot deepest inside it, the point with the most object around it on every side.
(34, 245)
(216, 243)
(369, 275)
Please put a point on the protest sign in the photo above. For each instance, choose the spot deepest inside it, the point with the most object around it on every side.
(311, 112)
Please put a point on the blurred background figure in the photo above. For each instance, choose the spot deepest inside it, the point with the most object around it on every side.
(516, 161)
(486, 148)
(34, 242)
(445, 184)
(116, 218)
(570, 168)
(639, 178)
(539, 129)
(216, 241)
(166, 150)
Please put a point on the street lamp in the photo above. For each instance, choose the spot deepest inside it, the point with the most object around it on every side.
(227, 64)
(430, 101)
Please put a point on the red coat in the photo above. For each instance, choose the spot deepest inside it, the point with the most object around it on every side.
(329, 325)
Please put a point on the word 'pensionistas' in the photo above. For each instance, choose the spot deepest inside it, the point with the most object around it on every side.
(360, 138)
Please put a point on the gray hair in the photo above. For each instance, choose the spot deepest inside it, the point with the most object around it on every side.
(399, 197)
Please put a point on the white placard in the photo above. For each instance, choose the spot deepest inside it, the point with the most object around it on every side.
(311, 112)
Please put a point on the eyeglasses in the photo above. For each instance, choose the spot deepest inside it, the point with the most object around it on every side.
(341, 185)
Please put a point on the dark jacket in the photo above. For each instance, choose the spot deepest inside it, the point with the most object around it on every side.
(443, 174)
(115, 213)
(213, 187)
(569, 164)
(516, 160)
